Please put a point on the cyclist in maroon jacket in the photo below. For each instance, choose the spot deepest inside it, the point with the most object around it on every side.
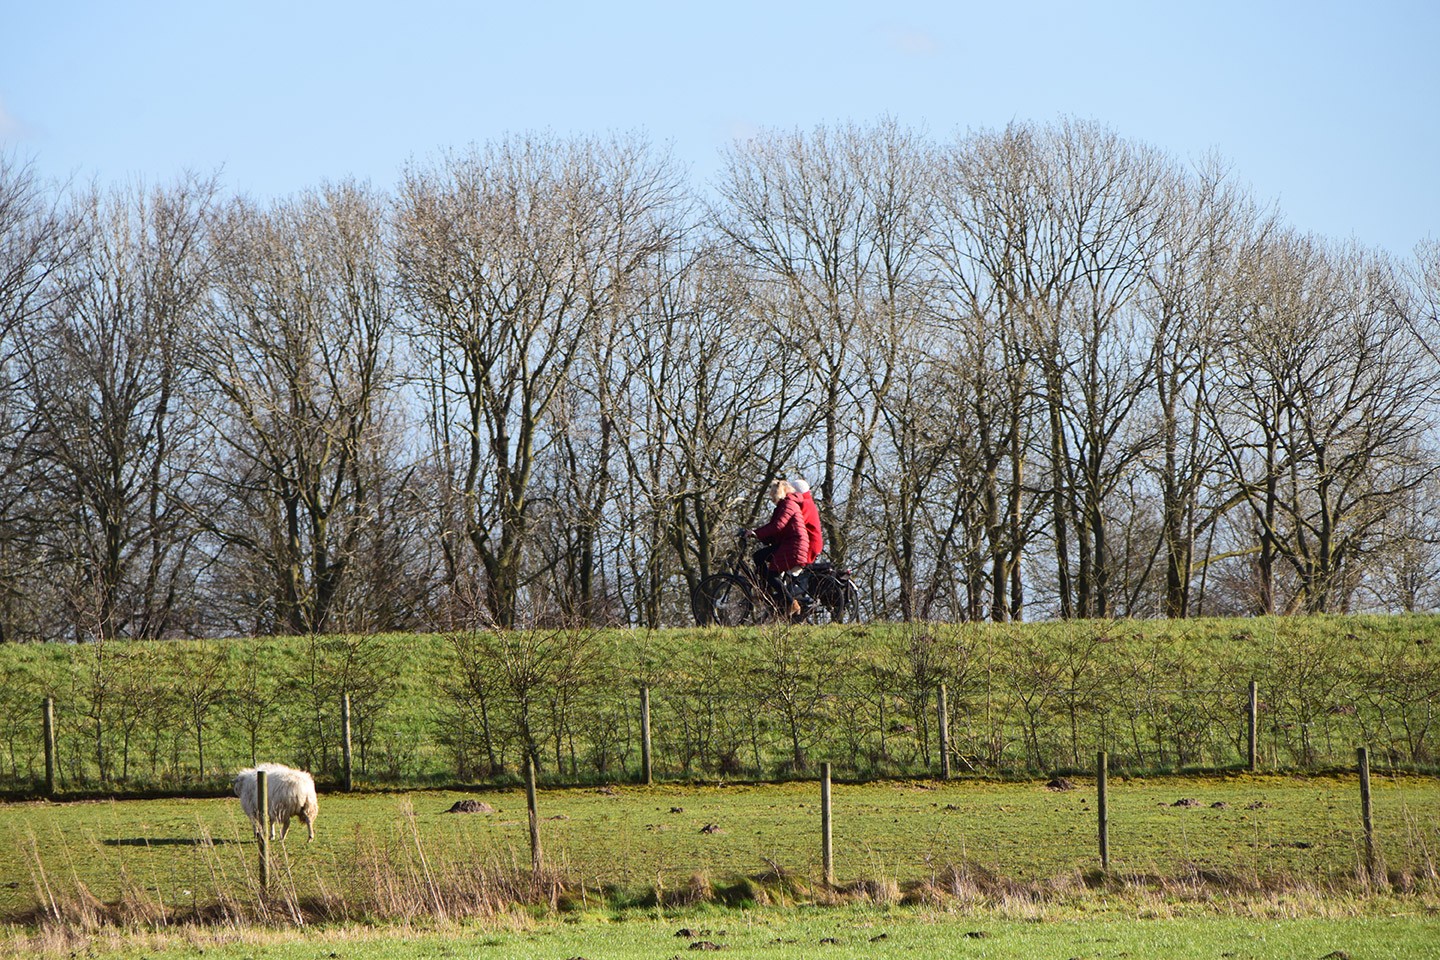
(787, 539)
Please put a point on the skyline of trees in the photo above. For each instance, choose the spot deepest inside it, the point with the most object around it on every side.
(1033, 372)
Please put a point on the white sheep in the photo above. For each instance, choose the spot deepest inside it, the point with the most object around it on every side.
(291, 792)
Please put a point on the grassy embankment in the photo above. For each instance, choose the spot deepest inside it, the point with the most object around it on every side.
(1024, 700)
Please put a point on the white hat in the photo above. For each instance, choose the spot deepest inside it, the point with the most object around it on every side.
(800, 485)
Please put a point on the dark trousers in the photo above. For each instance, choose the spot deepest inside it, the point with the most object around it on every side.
(778, 587)
(772, 579)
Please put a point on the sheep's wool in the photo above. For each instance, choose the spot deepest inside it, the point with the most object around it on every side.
(291, 794)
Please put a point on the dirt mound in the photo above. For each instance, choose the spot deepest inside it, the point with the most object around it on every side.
(470, 806)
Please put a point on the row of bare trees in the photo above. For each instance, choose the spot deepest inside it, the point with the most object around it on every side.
(1035, 371)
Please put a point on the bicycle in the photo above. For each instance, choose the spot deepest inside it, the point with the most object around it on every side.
(741, 595)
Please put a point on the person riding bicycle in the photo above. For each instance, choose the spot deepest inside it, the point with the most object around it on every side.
(812, 518)
(788, 546)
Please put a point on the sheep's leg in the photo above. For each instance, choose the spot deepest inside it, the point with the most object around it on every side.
(284, 827)
(309, 825)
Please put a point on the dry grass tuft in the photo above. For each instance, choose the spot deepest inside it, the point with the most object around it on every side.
(884, 891)
(398, 878)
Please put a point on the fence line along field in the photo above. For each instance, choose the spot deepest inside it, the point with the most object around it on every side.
(763, 703)
(387, 856)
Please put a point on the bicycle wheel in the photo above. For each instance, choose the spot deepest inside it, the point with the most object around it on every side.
(722, 599)
(837, 602)
(841, 606)
(848, 610)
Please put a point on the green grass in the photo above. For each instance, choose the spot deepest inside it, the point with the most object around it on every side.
(1261, 866)
(859, 933)
(1025, 700)
(621, 845)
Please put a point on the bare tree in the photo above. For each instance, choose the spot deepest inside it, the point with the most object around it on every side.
(203, 678)
(1405, 573)
(926, 487)
(710, 415)
(298, 356)
(509, 258)
(37, 241)
(647, 214)
(831, 226)
(1045, 236)
(987, 228)
(109, 381)
(1336, 395)
(1190, 293)
(1104, 197)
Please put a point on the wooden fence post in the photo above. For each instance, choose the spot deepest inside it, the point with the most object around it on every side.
(536, 858)
(827, 850)
(1254, 718)
(48, 722)
(262, 796)
(1362, 755)
(349, 771)
(944, 719)
(1102, 765)
(647, 771)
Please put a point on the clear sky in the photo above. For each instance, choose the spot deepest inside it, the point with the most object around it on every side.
(1330, 110)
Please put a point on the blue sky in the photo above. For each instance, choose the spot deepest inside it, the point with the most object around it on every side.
(1330, 110)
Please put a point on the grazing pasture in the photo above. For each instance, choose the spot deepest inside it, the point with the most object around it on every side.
(1206, 857)
(386, 856)
(848, 933)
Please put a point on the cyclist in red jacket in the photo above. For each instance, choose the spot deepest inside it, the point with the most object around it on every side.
(788, 542)
(812, 519)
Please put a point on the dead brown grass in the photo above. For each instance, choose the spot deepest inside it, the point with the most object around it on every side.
(397, 880)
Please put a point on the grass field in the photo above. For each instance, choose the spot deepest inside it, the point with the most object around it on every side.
(1224, 864)
(843, 934)
(894, 841)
